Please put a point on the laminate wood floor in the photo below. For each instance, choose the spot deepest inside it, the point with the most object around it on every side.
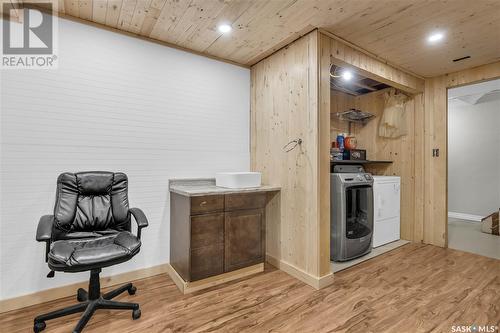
(414, 288)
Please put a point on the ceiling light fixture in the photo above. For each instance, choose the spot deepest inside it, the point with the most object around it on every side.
(347, 75)
(224, 28)
(435, 37)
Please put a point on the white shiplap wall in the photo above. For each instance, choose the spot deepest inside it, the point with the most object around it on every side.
(115, 103)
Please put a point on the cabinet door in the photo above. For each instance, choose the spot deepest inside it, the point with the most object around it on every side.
(207, 261)
(207, 230)
(244, 238)
(207, 245)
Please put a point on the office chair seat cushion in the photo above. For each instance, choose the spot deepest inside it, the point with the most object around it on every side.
(82, 254)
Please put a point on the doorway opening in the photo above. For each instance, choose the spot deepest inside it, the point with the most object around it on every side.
(474, 168)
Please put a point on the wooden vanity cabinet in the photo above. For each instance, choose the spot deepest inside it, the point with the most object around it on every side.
(215, 234)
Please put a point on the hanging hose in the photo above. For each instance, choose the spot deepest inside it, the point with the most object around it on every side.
(292, 145)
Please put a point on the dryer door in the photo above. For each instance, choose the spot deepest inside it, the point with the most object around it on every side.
(387, 200)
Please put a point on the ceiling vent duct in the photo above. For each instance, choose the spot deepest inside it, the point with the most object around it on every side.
(352, 83)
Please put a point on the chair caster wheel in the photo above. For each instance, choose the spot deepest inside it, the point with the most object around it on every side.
(132, 290)
(136, 314)
(81, 295)
(40, 326)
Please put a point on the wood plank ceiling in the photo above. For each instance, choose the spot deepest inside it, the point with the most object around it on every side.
(395, 30)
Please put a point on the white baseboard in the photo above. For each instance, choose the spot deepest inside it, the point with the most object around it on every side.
(463, 216)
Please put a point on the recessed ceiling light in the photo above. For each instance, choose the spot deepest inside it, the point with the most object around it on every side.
(435, 37)
(347, 75)
(224, 28)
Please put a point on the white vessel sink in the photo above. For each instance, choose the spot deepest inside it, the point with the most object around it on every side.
(238, 179)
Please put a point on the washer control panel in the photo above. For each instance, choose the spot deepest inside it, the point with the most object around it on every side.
(359, 178)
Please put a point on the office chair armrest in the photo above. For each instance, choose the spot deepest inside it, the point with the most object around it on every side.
(140, 219)
(44, 230)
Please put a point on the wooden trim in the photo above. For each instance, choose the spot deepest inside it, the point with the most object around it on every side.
(368, 53)
(313, 281)
(141, 37)
(323, 157)
(70, 290)
(473, 75)
(190, 287)
(420, 153)
(178, 280)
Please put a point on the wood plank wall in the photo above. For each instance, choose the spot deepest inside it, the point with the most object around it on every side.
(284, 107)
(344, 55)
(435, 136)
(340, 102)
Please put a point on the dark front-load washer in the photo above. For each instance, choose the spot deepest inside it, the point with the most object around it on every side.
(351, 212)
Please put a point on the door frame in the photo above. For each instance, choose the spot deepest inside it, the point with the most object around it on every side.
(448, 87)
(435, 135)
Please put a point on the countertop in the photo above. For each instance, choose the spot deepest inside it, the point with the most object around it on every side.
(206, 186)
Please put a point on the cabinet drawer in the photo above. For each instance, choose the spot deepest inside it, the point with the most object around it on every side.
(207, 230)
(207, 261)
(245, 201)
(206, 204)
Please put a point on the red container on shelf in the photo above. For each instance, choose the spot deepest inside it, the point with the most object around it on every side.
(350, 142)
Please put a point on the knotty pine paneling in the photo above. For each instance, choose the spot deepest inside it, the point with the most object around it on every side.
(285, 107)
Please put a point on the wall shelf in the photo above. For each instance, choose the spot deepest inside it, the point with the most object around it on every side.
(359, 162)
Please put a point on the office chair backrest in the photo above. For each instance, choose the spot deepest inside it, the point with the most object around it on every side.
(91, 201)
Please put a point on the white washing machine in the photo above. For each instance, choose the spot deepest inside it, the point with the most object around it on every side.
(386, 209)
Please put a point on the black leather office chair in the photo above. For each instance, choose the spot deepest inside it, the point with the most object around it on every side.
(90, 229)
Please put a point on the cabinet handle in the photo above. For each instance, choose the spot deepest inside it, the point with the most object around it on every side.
(203, 203)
